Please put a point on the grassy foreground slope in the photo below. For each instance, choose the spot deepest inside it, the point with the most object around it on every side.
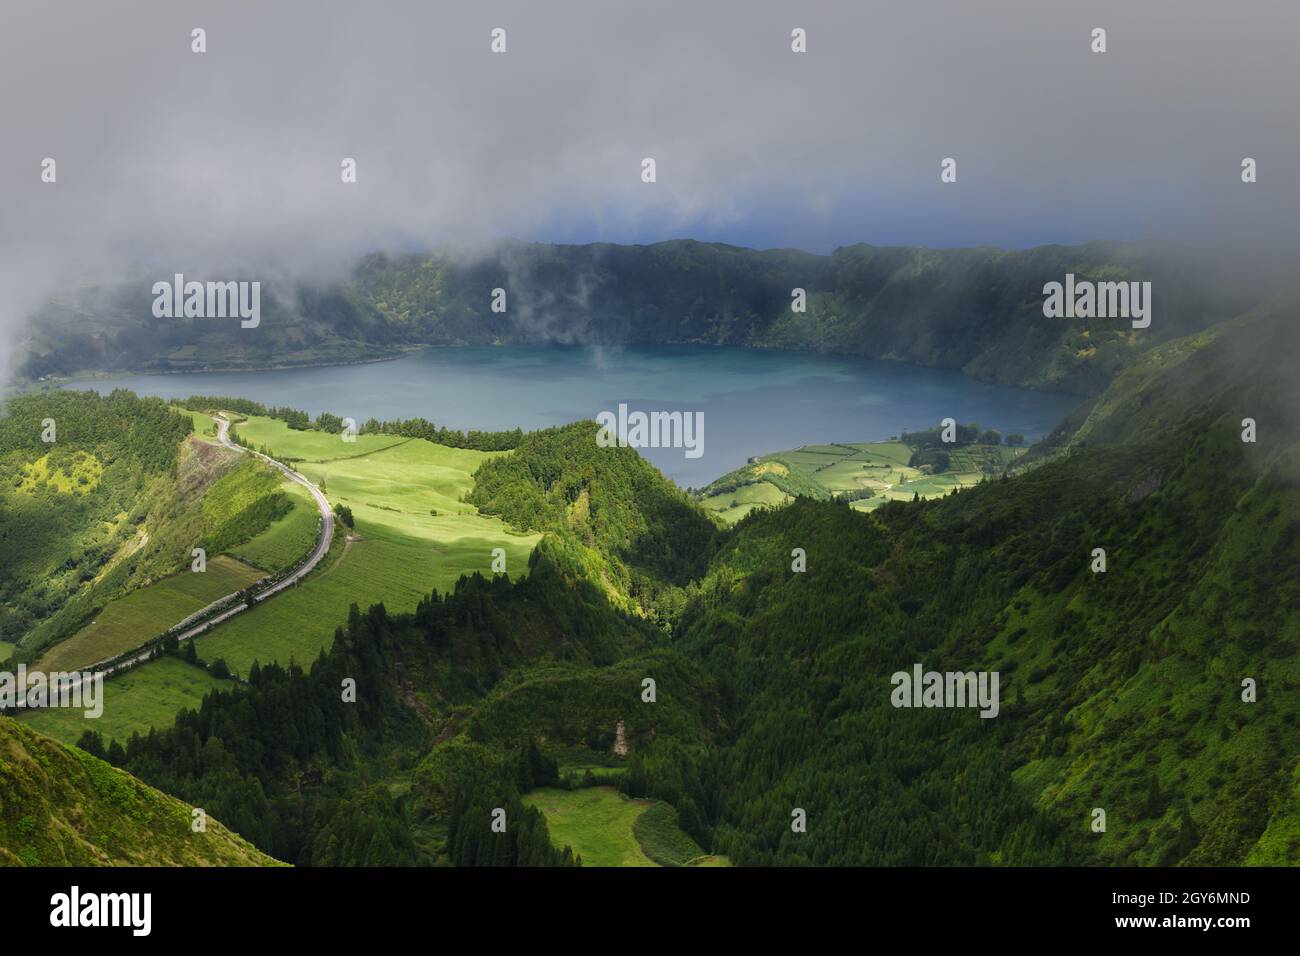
(59, 806)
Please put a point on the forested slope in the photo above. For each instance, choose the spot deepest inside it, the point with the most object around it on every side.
(628, 527)
(1121, 691)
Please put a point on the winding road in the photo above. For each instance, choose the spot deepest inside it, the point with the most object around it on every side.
(322, 503)
(322, 548)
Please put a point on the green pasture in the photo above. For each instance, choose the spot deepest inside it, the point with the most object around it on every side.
(146, 696)
(143, 614)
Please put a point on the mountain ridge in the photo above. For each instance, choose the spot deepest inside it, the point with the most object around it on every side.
(977, 310)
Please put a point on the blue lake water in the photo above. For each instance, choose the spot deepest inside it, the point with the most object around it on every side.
(753, 401)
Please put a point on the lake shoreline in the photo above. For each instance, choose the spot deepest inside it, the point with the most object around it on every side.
(751, 400)
(407, 351)
(101, 376)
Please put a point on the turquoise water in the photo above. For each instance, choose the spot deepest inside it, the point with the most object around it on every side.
(753, 402)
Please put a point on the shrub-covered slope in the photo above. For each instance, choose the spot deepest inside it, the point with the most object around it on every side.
(1120, 691)
(59, 806)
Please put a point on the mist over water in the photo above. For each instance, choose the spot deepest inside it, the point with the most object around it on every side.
(754, 402)
(227, 164)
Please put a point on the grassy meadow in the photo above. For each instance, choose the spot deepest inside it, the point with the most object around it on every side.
(606, 828)
(204, 425)
(146, 696)
(734, 505)
(412, 535)
(141, 615)
(823, 471)
(596, 821)
(295, 446)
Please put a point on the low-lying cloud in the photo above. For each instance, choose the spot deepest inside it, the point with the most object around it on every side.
(229, 161)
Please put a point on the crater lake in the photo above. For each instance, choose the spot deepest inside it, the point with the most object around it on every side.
(753, 401)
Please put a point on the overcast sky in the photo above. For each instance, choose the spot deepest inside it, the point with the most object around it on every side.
(164, 155)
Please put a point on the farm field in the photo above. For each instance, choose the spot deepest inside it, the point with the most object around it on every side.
(298, 623)
(733, 506)
(823, 471)
(412, 535)
(295, 446)
(606, 828)
(402, 484)
(970, 464)
(595, 821)
(147, 696)
(143, 614)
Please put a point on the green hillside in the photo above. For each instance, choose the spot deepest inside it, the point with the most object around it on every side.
(1120, 690)
(59, 806)
(82, 517)
(628, 528)
(99, 526)
(864, 475)
(724, 692)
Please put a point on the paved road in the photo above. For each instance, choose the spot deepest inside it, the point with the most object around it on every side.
(322, 548)
(326, 513)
